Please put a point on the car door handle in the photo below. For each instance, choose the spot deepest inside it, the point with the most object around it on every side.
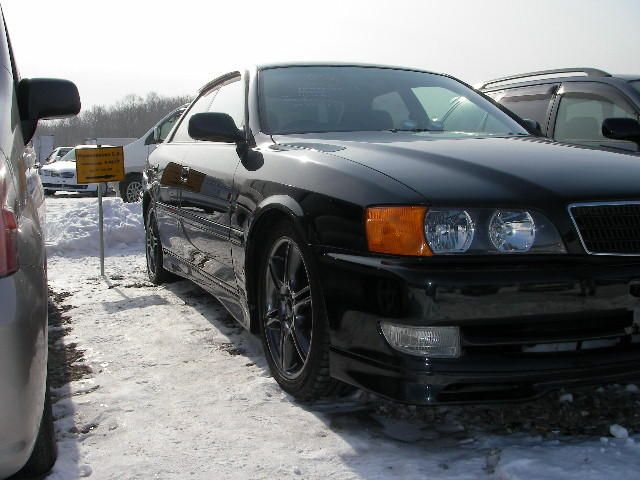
(184, 175)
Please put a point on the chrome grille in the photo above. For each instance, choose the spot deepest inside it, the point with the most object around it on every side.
(608, 228)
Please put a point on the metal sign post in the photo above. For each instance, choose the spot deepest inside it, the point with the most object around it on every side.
(100, 165)
(101, 227)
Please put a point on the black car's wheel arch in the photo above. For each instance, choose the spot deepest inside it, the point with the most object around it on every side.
(146, 203)
(267, 216)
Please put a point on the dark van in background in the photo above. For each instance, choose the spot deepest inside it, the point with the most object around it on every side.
(571, 105)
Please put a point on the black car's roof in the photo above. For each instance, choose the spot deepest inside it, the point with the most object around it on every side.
(267, 66)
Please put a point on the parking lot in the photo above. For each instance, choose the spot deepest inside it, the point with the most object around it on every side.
(164, 384)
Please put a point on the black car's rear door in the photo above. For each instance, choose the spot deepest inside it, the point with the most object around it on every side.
(205, 208)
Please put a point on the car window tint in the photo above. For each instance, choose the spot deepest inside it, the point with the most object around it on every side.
(201, 105)
(167, 125)
(393, 105)
(449, 111)
(528, 102)
(345, 99)
(230, 100)
(580, 116)
(464, 117)
(436, 101)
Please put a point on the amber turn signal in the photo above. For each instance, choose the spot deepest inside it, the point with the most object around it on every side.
(397, 230)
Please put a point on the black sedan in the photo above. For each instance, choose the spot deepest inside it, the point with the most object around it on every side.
(376, 237)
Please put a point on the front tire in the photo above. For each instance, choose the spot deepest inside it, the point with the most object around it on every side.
(131, 188)
(293, 321)
(153, 247)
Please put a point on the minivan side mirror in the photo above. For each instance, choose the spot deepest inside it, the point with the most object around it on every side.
(533, 126)
(214, 127)
(45, 98)
(621, 129)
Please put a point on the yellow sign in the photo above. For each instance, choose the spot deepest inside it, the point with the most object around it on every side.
(101, 164)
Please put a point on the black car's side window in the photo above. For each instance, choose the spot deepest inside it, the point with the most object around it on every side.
(528, 102)
(201, 105)
(230, 100)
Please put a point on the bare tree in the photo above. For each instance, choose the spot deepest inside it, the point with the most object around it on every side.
(130, 117)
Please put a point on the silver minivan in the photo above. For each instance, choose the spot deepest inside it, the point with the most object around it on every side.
(27, 440)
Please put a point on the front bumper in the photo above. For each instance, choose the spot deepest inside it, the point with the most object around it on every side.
(526, 327)
(71, 186)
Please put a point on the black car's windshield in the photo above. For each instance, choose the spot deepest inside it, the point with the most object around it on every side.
(342, 99)
(636, 84)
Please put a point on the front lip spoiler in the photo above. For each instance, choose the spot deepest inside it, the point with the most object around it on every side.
(424, 388)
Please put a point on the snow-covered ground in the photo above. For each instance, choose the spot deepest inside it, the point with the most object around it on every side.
(179, 391)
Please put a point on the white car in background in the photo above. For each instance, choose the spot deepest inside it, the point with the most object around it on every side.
(57, 154)
(60, 176)
(137, 153)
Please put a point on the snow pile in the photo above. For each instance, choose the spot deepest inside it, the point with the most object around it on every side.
(619, 431)
(74, 229)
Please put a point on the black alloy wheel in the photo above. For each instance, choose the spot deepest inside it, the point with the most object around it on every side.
(288, 318)
(293, 322)
(153, 249)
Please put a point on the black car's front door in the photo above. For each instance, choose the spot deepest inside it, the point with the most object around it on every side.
(205, 208)
(166, 175)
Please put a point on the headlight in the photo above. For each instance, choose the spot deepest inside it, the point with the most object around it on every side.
(45, 173)
(422, 231)
(449, 231)
(481, 231)
(512, 231)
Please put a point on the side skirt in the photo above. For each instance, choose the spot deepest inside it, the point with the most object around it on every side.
(225, 294)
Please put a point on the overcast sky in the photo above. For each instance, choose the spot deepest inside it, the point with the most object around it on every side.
(113, 48)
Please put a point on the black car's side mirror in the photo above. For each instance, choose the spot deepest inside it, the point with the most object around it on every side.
(45, 98)
(621, 129)
(533, 126)
(214, 127)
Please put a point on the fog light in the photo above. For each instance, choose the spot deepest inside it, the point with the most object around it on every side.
(437, 342)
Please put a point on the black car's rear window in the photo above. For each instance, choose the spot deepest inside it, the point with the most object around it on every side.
(344, 98)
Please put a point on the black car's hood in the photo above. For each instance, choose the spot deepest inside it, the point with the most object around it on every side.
(513, 171)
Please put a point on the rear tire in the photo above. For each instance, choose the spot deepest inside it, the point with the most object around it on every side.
(45, 450)
(131, 188)
(153, 248)
(291, 305)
